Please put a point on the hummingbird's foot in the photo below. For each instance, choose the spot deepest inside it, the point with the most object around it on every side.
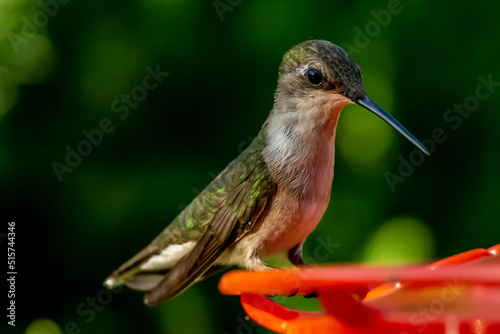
(269, 268)
(295, 255)
(256, 264)
(311, 295)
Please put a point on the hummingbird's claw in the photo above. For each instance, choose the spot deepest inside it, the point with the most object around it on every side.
(295, 255)
(311, 295)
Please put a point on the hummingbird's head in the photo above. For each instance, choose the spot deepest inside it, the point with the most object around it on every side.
(318, 74)
(317, 65)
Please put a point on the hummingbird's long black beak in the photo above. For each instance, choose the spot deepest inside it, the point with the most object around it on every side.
(368, 104)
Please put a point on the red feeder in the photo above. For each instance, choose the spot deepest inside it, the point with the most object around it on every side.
(459, 294)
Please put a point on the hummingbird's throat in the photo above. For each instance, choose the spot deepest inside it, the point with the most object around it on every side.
(301, 145)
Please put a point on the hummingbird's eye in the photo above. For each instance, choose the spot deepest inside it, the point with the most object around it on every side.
(314, 76)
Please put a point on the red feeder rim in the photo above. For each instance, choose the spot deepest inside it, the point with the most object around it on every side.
(459, 294)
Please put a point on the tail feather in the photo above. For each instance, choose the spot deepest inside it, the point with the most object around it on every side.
(143, 282)
(146, 269)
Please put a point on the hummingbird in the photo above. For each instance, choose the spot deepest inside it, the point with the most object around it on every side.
(272, 196)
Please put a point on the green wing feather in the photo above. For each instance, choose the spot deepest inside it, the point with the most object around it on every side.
(220, 215)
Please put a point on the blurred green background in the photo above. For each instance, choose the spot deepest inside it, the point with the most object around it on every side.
(63, 64)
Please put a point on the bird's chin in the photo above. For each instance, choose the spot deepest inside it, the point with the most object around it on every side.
(331, 100)
(326, 107)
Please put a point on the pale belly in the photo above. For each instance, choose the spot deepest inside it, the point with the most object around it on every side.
(289, 225)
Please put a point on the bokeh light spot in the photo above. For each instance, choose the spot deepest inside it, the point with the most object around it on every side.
(400, 240)
(43, 326)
